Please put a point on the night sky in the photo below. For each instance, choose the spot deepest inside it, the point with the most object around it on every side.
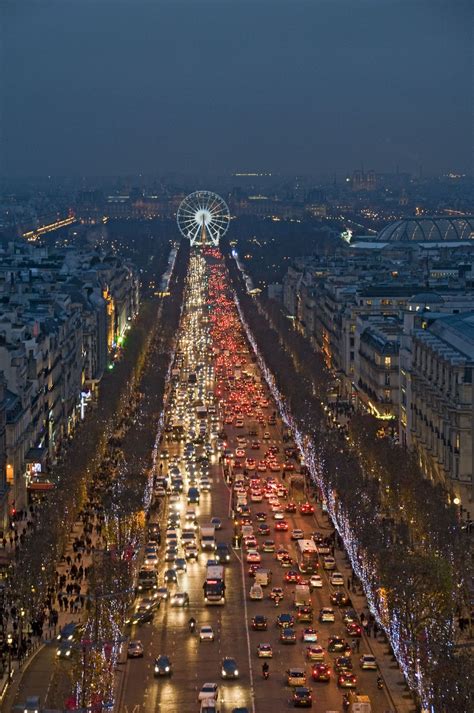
(104, 87)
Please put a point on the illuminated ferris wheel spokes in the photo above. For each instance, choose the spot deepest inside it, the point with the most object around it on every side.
(203, 218)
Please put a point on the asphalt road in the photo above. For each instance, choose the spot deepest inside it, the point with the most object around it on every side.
(195, 663)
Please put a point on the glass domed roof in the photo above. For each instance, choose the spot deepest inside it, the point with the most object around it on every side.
(429, 229)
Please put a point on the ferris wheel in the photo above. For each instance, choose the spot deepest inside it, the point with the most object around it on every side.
(203, 218)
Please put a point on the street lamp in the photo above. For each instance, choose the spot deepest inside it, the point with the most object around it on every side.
(9, 645)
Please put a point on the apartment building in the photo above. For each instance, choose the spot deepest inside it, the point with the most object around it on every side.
(63, 314)
(437, 399)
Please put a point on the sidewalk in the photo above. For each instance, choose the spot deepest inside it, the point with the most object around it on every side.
(12, 694)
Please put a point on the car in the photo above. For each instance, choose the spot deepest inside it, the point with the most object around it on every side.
(350, 616)
(326, 615)
(170, 576)
(206, 633)
(180, 564)
(263, 529)
(287, 562)
(281, 526)
(252, 569)
(146, 603)
(134, 649)
(281, 552)
(347, 680)
(321, 672)
(342, 663)
(354, 629)
(276, 593)
(269, 546)
(141, 616)
(266, 436)
(191, 552)
(329, 563)
(259, 622)
(70, 632)
(65, 650)
(292, 576)
(209, 690)
(295, 676)
(305, 614)
(367, 662)
(315, 653)
(278, 515)
(260, 516)
(336, 579)
(316, 581)
(302, 697)
(229, 668)
(162, 666)
(264, 651)
(337, 644)
(306, 509)
(309, 636)
(285, 620)
(290, 507)
(180, 599)
(170, 555)
(256, 592)
(297, 534)
(340, 599)
(163, 593)
(287, 635)
(32, 704)
(253, 557)
(256, 496)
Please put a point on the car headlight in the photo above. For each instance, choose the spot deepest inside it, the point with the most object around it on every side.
(167, 669)
(224, 673)
(236, 672)
(156, 669)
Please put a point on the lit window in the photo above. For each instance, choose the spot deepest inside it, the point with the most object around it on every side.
(388, 361)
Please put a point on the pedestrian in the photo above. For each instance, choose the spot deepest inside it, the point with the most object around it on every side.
(353, 645)
(362, 618)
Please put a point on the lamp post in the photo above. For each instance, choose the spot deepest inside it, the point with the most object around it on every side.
(9, 645)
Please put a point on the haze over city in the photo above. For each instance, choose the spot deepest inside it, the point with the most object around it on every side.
(104, 87)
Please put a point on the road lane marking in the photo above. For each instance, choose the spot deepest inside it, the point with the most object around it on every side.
(252, 690)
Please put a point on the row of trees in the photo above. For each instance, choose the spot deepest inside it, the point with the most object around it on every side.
(400, 533)
(123, 498)
(129, 402)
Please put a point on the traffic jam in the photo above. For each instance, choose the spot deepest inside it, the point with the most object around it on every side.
(271, 548)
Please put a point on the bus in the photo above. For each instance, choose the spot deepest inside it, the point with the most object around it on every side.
(214, 585)
(307, 556)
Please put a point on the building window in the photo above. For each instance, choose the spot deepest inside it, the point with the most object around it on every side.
(387, 379)
(388, 361)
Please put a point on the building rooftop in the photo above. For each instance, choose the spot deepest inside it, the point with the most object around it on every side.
(428, 229)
